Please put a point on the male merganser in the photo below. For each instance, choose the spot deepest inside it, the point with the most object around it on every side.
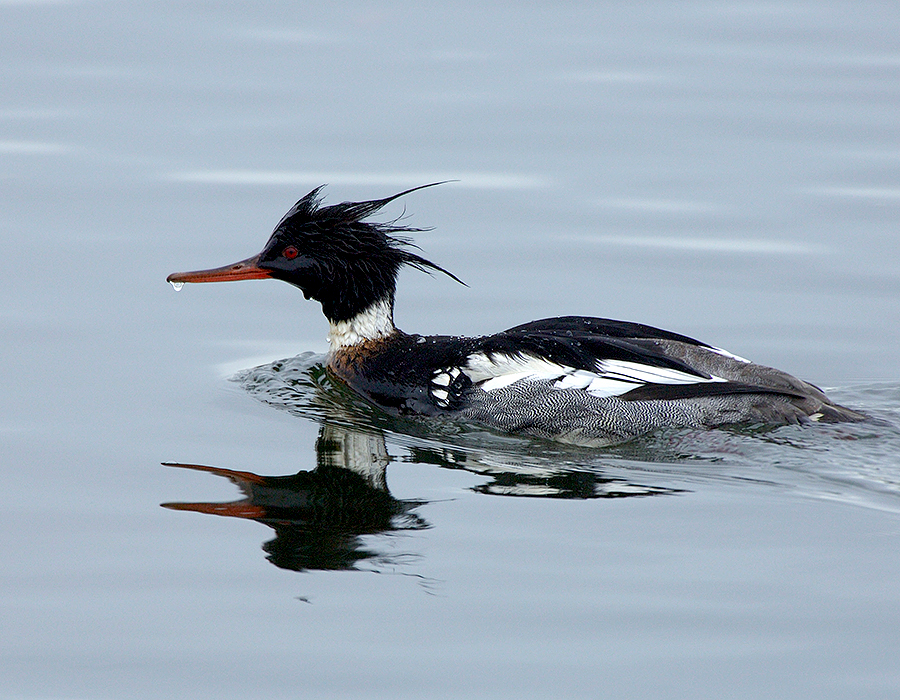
(574, 379)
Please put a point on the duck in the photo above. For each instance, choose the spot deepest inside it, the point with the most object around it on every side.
(573, 379)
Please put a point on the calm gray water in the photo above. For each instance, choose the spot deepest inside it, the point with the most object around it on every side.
(729, 170)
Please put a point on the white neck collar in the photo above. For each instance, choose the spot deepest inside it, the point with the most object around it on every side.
(375, 322)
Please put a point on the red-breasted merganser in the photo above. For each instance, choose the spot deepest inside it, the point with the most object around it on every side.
(573, 379)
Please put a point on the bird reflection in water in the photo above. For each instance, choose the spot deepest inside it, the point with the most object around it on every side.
(322, 518)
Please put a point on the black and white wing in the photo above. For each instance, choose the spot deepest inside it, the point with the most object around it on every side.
(599, 357)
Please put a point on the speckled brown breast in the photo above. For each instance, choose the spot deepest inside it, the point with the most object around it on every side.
(349, 362)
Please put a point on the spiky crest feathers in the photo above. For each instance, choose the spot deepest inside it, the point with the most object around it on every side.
(313, 219)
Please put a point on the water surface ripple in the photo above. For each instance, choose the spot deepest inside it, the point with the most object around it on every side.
(844, 462)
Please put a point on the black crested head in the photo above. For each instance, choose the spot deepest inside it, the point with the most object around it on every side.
(337, 258)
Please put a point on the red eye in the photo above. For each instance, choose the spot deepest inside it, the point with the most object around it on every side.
(290, 252)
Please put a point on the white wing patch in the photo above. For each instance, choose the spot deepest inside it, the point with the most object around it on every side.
(441, 384)
(610, 378)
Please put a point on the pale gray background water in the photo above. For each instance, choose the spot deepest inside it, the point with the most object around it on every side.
(726, 170)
